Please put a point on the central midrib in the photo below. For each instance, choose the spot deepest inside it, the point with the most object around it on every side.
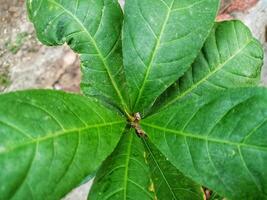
(59, 134)
(219, 67)
(125, 184)
(163, 175)
(125, 106)
(205, 138)
(153, 55)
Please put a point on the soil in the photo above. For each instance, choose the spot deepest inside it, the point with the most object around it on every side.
(25, 63)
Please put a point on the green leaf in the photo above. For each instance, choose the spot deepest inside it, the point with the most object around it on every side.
(161, 38)
(169, 183)
(231, 57)
(51, 141)
(124, 174)
(92, 28)
(215, 196)
(218, 141)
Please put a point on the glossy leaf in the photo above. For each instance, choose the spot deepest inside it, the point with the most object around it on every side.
(92, 28)
(231, 57)
(124, 174)
(169, 183)
(157, 43)
(51, 141)
(218, 141)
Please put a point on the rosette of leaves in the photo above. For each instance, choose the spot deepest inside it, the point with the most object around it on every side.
(170, 104)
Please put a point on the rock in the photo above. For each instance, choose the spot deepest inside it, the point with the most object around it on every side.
(79, 193)
(69, 58)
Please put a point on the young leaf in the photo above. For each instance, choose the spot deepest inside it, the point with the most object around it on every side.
(161, 38)
(218, 140)
(51, 141)
(230, 58)
(124, 174)
(169, 183)
(92, 28)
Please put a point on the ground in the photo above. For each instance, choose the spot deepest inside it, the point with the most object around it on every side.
(25, 63)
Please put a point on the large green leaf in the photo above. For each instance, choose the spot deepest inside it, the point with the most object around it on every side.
(169, 183)
(124, 174)
(219, 141)
(230, 58)
(92, 28)
(50, 141)
(161, 38)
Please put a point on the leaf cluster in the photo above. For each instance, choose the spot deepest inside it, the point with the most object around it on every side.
(170, 104)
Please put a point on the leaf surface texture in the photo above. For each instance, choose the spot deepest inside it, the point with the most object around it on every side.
(168, 182)
(218, 141)
(124, 175)
(51, 141)
(157, 43)
(92, 28)
(231, 57)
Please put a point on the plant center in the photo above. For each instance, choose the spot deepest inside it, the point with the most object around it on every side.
(136, 125)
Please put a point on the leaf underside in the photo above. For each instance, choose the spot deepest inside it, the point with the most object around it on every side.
(51, 141)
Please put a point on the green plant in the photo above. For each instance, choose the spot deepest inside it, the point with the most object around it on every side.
(192, 81)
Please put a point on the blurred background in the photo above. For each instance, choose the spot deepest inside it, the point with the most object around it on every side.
(25, 63)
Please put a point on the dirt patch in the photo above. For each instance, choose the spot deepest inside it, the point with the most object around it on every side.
(24, 62)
